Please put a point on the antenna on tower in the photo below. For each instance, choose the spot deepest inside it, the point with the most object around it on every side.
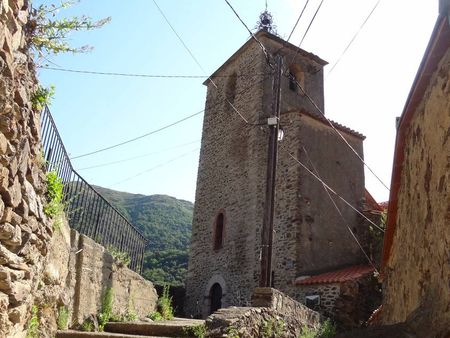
(265, 22)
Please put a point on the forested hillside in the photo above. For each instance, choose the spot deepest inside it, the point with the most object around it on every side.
(166, 222)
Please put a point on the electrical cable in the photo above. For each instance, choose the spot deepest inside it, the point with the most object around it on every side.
(169, 125)
(79, 71)
(138, 137)
(155, 167)
(136, 157)
(266, 54)
(354, 37)
(200, 66)
(310, 99)
(298, 20)
(340, 213)
(306, 32)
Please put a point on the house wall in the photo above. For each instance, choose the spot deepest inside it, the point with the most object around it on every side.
(418, 269)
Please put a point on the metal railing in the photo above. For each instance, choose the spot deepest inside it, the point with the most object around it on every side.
(86, 209)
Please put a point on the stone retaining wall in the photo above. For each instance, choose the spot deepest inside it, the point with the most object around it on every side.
(41, 264)
(272, 311)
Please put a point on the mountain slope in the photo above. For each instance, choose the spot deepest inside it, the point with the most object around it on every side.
(166, 222)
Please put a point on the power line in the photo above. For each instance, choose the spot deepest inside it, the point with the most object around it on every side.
(136, 157)
(139, 137)
(307, 30)
(79, 71)
(172, 124)
(298, 20)
(310, 99)
(155, 167)
(354, 36)
(340, 212)
(200, 66)
(334, 192)
(266, 54)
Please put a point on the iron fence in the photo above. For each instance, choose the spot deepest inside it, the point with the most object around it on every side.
(86, 209)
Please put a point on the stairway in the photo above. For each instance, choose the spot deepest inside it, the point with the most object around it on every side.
(159, 329)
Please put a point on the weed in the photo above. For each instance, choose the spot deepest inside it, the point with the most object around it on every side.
(308, 332)
(198, 331)
(42, 96)
(155, 316)
(326, 330)
(33, 324)
(63, 318)
(232, 332)
(87, 325)
(121, 257)
(55, 186)
(107, 303)
(165, 304)
(272, 328)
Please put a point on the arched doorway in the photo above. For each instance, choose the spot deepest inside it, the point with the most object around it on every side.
(215, 296)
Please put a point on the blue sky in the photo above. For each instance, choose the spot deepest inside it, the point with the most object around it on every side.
(366, 91)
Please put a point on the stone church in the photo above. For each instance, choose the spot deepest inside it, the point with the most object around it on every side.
(310, 237)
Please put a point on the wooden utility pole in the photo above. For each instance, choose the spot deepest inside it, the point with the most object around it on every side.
(267, 232)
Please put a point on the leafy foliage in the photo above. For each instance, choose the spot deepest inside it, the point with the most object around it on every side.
(33, 324)
(121, 257)
(107, 303)
(63, 318)
(198, 331)
(54, 207)
(50, 34)
(164, 306)
(326, 330)
(42, 96)
(272, 328)
(166, 222)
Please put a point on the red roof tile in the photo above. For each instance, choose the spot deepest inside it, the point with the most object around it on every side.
(384, 205)
(339, 276)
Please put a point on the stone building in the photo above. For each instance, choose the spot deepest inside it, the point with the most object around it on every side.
(416, 257)
(310, 237)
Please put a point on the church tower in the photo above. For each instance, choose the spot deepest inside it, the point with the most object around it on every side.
(309, 236)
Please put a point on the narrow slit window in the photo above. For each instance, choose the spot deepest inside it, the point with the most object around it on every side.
(218, 231)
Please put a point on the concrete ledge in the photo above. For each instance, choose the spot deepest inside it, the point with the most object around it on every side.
(166, 328)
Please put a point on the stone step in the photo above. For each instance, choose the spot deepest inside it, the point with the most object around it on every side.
(81, 334)
(167, 328)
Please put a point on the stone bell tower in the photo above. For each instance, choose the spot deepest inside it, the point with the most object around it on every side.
(224, 260)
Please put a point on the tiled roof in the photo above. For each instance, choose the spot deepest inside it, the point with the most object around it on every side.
(384, 205)
(320, 117)
(371, 203)
(339, 276)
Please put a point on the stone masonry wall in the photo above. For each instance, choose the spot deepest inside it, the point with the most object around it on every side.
(37, 259)
(25, 231)
(271, 311)
(418, 270)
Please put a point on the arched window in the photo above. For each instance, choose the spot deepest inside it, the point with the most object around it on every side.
(218, 231)
(296, 78)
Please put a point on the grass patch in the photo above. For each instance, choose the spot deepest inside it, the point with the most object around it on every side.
(107, 304)
(33, 324)
(198, 331)
(63, 318)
